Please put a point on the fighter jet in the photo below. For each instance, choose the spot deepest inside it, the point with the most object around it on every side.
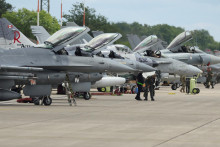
(176, 50)
(44, 64)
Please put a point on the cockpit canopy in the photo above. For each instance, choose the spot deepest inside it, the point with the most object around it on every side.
(64, 35)
(101, 41)
(146, 43)
(180, 39)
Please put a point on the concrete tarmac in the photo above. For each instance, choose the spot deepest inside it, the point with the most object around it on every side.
(173, 120)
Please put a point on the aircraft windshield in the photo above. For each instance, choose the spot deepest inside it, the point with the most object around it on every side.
(181, 38)
(101, 41)
(146, 42)
(64, 35)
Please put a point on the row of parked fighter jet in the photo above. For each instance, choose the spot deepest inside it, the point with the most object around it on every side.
(71, 52)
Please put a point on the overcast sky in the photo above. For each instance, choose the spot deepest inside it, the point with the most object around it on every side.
(188, 14)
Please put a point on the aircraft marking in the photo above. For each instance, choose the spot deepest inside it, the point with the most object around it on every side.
(16, 39)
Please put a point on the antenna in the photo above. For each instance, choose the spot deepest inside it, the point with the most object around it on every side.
(38, 13)
(61, 23)
(84, 14)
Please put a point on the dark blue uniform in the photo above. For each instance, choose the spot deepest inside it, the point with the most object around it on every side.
(140, 82)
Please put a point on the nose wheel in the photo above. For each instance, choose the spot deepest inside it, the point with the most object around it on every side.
(44, 100)
(47, 101)
(174, 87)
(87, 95)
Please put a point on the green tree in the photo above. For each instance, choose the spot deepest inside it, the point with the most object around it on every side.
(4, 7)
(24, 18)
(167, 33)
(93, 21)
(204, 40)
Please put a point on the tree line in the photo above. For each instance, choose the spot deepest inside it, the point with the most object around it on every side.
(23, 18)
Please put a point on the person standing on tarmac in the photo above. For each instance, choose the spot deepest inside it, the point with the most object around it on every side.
(140, 82)
(149, 87)
(213, 81)
(183, 81)
(209, 77)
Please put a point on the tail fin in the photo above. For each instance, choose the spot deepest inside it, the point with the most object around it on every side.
(134, 40)
(11, 37)
(97, 33)
(40, 33)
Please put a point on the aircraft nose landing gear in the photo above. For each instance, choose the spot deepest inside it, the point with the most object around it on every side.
(46, 100)
(87, 95)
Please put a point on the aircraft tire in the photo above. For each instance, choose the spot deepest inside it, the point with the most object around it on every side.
(87, 96)
(198, 90)
(195, 90)
(174, 87)
(47, 101)
(103, 89)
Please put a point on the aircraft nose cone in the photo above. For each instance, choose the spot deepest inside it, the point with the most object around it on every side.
(144, 68)
(195, 71)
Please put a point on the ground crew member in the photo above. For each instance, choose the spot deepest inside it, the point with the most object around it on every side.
(183, 81)
(209, 77)
(140, 82)
(213, 82)
(149, 87)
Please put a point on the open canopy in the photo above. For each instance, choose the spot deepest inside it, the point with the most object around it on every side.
(146, 43)
(63, 36)
(101, 41)
(180, 39)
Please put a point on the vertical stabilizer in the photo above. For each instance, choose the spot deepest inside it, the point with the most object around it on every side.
(40, 33)
(11, 37)
(134, 40)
